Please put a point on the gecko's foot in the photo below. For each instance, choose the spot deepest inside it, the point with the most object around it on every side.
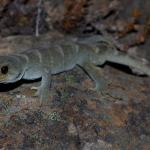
(101, 85)
(37, 89)
(101, 88)
(43, 94)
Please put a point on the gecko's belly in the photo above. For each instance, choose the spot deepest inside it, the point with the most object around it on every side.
(62, 68)
(32, 74)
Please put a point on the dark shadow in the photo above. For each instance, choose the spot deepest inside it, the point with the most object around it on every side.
(123, 68)
(10, 86)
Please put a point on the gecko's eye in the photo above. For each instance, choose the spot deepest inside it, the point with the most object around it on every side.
(4, 69)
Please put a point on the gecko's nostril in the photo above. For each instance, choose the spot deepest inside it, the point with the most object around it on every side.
(4, 69)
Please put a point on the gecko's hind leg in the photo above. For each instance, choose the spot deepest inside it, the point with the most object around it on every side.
(96, 74)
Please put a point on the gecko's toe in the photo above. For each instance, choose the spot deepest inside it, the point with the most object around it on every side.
(37, 93)
(34, 88)
(43, 94)
(37, 89)
(101, 88)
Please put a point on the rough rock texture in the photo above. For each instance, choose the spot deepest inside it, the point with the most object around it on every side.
(78, 118)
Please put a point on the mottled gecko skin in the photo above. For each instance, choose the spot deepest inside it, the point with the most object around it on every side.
(62, 56)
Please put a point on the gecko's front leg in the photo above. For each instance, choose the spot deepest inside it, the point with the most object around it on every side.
(44, 89)
(96, 74)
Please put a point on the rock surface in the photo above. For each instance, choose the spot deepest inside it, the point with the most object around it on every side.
(76, 117)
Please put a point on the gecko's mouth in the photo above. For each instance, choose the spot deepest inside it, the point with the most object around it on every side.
(6, 79)
(3, 78)
(17, 78)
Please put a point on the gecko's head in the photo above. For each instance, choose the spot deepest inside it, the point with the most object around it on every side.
(10, 69)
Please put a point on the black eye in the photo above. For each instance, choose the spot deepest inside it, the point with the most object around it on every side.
(4, 69)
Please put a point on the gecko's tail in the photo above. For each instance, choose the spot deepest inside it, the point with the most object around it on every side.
(113, 48)
(135, 64)
(113, 54)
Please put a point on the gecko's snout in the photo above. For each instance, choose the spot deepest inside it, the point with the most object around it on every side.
(10, 69)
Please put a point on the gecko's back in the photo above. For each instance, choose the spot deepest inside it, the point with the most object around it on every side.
(61, 56)
(58, 57)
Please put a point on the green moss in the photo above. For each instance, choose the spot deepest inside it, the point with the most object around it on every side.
(54, 116)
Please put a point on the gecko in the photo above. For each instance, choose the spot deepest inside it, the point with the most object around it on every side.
(64, 55)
